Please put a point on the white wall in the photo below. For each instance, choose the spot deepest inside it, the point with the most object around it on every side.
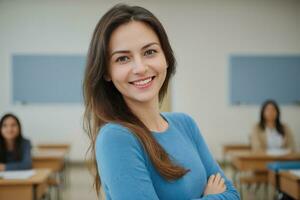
(202, 33)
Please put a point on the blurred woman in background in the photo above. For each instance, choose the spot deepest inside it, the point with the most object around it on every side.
(270, 133)
(15, 151)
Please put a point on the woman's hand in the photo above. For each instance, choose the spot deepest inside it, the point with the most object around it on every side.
(2, 167)
(215, 185)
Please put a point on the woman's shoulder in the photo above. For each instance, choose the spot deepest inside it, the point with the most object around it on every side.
(179, 117)
(256, 128)
(115, 139)
(185, 123)
(26, 142)
(114, 134)
(111, 126)
(286, 128)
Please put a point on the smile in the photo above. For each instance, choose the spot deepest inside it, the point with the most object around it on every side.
(143, 83)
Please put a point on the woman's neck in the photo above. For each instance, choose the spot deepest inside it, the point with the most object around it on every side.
(270, 124)
(149, 114)
(10, 144)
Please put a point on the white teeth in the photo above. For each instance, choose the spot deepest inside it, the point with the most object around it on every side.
(143, 82)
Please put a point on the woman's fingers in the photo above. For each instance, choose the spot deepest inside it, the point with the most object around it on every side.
(215, 184)
(211, 179)
(217, 178)
(222, 181)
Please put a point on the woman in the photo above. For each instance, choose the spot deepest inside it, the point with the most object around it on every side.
(270, 134)
(139, 152)
(14, 149)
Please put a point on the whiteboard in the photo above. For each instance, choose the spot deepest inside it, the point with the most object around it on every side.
(47, 78)
(254, 79)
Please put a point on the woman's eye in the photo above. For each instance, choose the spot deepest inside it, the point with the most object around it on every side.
(122, 59)
(150, 52)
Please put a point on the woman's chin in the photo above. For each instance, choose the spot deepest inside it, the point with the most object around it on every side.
(143, 98)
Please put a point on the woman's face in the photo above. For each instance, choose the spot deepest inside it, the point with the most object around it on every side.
(137, 64)
(270, 113)
(10, 129)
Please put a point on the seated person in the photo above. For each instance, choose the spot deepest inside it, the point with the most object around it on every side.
(270, 134)
(15, 151)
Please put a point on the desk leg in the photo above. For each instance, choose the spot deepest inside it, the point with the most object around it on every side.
(34, 196)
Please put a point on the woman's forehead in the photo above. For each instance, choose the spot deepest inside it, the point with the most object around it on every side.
(270, 105)
(131, 36)
(9, 120)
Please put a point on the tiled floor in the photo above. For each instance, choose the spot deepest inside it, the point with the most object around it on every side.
(80, 182)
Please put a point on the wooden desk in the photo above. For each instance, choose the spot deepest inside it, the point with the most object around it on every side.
(230, 149)
(65, 147)
(290, 184)
(257, 163)
(227, 148)
(32, 188)
(52, 159)
(252, 161)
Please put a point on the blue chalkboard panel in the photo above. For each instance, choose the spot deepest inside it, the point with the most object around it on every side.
(47, 78)
(253, 79)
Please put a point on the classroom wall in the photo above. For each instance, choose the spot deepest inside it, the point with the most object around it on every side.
(203, 35)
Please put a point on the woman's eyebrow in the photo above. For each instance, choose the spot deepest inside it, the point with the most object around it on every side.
(148, 45)
(120, 51)
(127, 51)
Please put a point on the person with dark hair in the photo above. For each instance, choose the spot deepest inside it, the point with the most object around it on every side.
(15, 151)
(270, 133)
(139, 152)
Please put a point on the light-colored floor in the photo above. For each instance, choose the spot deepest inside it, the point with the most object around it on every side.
(251, 192)
(79, 186)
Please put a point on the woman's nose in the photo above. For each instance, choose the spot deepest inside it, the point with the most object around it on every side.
(139, 66)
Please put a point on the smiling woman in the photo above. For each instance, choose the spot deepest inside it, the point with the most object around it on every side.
(14, 148)
(139, 152)
(138, 59)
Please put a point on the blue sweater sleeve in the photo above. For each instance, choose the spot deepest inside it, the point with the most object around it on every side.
(122, 165)
(25, 162)
(211, 166)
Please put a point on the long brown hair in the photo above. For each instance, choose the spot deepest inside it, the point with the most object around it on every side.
(104, 103)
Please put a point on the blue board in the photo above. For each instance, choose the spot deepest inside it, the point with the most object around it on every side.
(47, 78)
(253, 79)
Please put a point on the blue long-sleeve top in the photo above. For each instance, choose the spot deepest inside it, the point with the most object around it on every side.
(126, 171)
(26, 160)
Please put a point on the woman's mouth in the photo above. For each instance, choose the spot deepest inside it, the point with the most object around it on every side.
(143, 83)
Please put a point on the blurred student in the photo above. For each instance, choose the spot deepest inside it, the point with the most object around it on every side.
(15, 151)
(270, 134)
